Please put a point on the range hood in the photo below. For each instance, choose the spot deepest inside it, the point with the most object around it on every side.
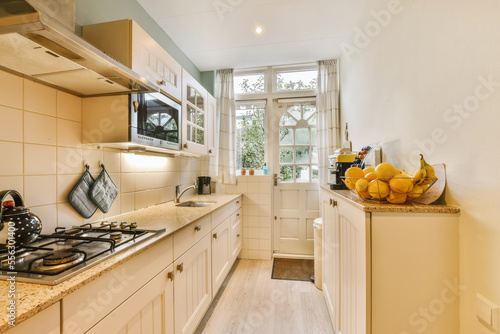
(37, 39)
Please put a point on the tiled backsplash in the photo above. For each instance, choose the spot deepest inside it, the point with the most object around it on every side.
(42, 157)
(257, 214)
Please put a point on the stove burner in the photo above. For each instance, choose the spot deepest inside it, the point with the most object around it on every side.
(61, 257)
(74, 232)
(116, 235)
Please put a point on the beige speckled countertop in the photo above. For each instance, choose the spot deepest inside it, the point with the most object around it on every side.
(33, 298)
(372, 206)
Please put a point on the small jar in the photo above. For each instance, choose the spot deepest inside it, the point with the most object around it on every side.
(243, 171)
(251, 171)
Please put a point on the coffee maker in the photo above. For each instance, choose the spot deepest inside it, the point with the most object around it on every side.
(338, 163)
(204, 185)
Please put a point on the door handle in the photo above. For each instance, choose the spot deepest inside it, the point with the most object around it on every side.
(276, 178)
(170, 275)
(180, 267)
(197, 227)
(215, 235)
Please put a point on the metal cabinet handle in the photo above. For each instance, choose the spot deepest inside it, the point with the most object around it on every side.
(180, 267)
(170, 275)
(238, 235)
(210, 151)
(136, 106)
(197, 227)
(185, 146)
(215, 235)
(334, 203)
(237, 202)
(160, 82)
(237, 215)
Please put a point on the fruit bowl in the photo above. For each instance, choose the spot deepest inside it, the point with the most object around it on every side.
(399, 189)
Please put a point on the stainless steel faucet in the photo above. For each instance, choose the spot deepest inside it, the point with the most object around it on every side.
(178, 193)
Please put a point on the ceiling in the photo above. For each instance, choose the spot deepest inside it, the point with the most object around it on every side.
(218, 34)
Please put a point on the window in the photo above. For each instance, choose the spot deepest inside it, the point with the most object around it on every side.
(298, 144)
(249, 83)
(296, 80)
(195, 116)
(250, 135)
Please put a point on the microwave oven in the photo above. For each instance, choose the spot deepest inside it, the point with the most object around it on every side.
(155, 120)
(150, 119)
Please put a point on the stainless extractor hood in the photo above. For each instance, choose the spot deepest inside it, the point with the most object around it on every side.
(37, 39)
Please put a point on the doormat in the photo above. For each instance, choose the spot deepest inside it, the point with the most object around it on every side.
(293, 269)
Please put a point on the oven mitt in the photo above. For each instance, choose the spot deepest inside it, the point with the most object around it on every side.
(103, 192)
(79, 196)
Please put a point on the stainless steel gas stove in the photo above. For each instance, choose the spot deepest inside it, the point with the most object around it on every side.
(54, 258)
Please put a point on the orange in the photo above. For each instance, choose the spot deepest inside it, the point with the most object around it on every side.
(401, 183)
(352, 175)
(396, 198)
(415, 192)
(368, 170)
(385, 171)
(378, 189)
(371, 176)
(362, 188)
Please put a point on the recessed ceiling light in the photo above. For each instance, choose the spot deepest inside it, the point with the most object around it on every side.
(258, 30)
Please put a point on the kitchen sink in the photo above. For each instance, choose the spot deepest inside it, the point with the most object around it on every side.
(192, 204)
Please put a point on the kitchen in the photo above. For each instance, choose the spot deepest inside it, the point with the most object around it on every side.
(429, 63)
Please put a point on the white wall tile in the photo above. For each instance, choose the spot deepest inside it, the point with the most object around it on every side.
(253, 254)
(115, 208)
(12, 158)
(253, 187)
(141, 200)
(265, 255)
(127, 182)
(94, 158)
(11, 124)
(69, 133)
(12, 183)
(65, 183)
(264, 188)
(67, 216)
(11, 90)
(40, 190)
(112, 160)
(127, 202)
(69, 106)
(265, 245)
(39, 98)
(127, 163)
(39, 129)
(70, 160)
(39, 159)
(48, 216)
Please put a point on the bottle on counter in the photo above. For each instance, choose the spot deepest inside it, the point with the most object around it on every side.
(264, 169)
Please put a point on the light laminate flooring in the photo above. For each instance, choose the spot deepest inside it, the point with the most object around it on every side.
(251, 302)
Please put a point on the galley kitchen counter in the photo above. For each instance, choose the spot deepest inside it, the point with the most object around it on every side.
(33, 298)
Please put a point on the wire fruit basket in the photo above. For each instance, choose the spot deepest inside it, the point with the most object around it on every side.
(396, 190)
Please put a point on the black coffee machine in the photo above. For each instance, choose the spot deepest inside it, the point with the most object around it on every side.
(204, 185)
(338, 163)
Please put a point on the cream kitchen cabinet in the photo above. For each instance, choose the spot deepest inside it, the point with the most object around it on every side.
(236, 236)
(192, 286)
(47, 321)
(390, 269)
(128, 43)
(221, 254)
(212, 130)
(194, 115)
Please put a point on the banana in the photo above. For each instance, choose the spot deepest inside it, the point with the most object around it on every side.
(420, 175)
(430, 174)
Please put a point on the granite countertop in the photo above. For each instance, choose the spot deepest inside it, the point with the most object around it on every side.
(373, 206)
(33, 298)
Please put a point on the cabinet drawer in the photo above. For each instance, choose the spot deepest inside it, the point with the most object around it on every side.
(191, 234)
(88, 305)
(227, 210)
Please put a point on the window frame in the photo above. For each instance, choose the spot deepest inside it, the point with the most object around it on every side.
(292, 68)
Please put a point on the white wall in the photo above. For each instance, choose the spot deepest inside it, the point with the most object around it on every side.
(401, 88)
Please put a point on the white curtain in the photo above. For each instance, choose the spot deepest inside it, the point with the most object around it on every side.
(223, 165)
(329, 116)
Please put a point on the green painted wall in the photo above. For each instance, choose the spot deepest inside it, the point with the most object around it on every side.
(208, 81)
(97, 11)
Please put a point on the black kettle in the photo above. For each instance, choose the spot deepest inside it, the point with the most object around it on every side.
(17, 223)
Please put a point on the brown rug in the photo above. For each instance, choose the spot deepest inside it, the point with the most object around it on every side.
(293, 269)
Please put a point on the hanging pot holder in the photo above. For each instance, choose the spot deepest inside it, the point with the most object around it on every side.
(79, 197)
(103, 192)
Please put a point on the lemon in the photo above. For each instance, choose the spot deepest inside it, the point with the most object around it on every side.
(415, 192)
(368, 170)
(401, 183)
(398, 171)
(352, 175)
(362, 188)
(378, 189)
(370, 176)
(396, 198)
(385, 171)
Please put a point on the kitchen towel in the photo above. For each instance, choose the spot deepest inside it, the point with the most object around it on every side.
(79, 196)
(104, 191)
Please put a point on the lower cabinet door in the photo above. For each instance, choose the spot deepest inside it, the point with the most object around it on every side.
(149, 310)
(236, 237)
(47, 321)
(221, 254)
(192, 286)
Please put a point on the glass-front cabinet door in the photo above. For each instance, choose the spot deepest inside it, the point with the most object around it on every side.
(194, 107)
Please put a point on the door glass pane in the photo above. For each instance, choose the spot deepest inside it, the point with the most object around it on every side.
(191, 116)
(193, 134)
(315, 174)
(286, 119)
(286, 155)
(286, 172)
(200, 138)
(200, 120)
(314, 136)
(309, 110)
(302, 136)
(199, 101)
(295, 112)
(189, 133)
(302, 155)
(302, 174)
(286, 136)
(314, 155)
(313, 120)
(191, 95)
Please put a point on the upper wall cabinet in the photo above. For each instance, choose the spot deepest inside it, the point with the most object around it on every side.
(128, 43)
(194, 115)
(212, 131)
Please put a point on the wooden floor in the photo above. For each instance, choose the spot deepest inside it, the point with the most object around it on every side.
(251, 302)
